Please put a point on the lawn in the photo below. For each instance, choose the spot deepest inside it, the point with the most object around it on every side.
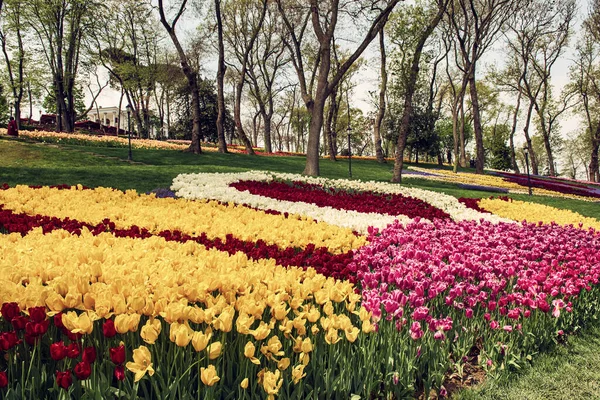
(551, 376)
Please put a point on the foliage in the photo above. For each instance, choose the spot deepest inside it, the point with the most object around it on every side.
(495, 139)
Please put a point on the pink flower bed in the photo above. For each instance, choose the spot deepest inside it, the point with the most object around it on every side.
(366, 202)
(502, 291)
(556, 185)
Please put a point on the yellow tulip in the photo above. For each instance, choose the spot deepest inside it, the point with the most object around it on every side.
(331, 337)
(272, 381)
(298, 373)
(141, 363)
(150, 331)
(78, 323)
(352, 334)
(214, 350)
(261, 332)
(200, 340)
(283, 364)
(249, 351)
(209, 375)
(244, 383)
(122, 323)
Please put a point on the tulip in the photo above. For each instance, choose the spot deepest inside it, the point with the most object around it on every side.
(3, 379)
(82, 370)
(214, 350)
(141, 363)
(58, 351)
(89, 354)
(249, 351)
(108, 328)
(298, 373)
(209, 375)
(119, 373)
(73, 350)
(10, 311)
(64, 379)
(117, 354)
(151, 330)
(244, 383)
(37, 314)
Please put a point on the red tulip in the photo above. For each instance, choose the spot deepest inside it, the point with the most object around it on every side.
(10, 310)
(82, 370)
(64, 379)
(73, 350)
(120, 373)
(109, 328)
(117, 354)
(3, 379)
(37, 314)
(58, 351)
(58, 321)
(19, 322)
(89, 355)
(8, 340)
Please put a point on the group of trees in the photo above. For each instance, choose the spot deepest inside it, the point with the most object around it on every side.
(285, 74)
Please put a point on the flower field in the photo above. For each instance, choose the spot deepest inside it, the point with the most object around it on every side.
(265, 285)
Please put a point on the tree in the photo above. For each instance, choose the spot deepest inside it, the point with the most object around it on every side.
(476, 25)
(324, 16)
(541, 30)
(243, 20)
(267, 59)
(382, 93)
(60, 27)
(13, 27)
(414, 34)
(585, 80)
(221, 69)
(190, 73)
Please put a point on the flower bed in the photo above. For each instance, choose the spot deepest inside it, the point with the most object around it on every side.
(366, 202)
(152, 297)
(507, 291)
(553, 185)
(533, 212)
(218, 187)
(199, 315)
(499, 182)
(192, 218)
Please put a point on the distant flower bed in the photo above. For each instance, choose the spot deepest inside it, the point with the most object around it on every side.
(573, 188)
(516, 185)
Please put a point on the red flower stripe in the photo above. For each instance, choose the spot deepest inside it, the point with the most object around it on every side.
(366, 202)
(334, 265)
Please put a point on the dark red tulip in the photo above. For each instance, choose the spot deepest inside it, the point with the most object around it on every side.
(82, 370)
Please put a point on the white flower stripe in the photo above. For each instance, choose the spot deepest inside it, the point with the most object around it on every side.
(215, 186)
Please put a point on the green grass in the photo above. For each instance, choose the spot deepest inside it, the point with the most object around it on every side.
(572, 371)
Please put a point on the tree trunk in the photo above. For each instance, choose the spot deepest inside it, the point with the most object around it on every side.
(268, 139)
(382, 105)
(594, 171)
(220, 83)
(330, 126)
(547, 145)
(478, 130)
(532, 156)
(513, 158)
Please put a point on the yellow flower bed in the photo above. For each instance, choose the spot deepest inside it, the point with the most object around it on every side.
(201, 294)
(487, 180)
(190, 217)
(532, 212)
(135, 143)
